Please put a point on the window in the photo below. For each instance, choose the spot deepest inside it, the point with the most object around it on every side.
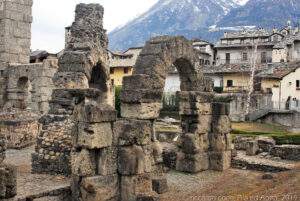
(245, 56)
(125, 70)
(229, 83)
(227, 58)
(111, 70)
(242, 41)
(263, 57)
(297, 83)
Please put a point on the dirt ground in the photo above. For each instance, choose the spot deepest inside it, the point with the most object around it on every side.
(233, 185)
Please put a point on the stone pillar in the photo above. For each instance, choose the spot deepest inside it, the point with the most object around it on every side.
(8, 173)
(196, 118)
(140, 154)
(94, 155)
(206, 142)
(15, 36)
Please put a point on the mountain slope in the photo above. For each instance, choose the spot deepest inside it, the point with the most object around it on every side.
(263, 13)
(189, 17)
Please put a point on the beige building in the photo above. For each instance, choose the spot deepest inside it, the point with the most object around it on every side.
(205, 51)
(272, 46)
(121, 64)
(283, 80)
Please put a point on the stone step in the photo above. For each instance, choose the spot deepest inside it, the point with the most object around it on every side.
(242, 161)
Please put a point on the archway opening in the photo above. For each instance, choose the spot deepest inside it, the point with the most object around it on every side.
(99, 78)
(25, 87)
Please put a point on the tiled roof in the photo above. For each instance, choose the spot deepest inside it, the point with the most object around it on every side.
(279, 70)
(131, 54)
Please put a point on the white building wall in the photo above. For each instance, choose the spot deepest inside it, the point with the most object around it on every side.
(288, 86)
(172, 83)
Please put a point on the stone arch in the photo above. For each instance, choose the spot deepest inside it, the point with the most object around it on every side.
(99, 78)
(206, 141)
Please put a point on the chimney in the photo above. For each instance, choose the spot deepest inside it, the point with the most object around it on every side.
(225, 34)
(275, 29)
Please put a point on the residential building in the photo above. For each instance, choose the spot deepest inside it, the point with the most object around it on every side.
(122, 64)
(205, 51)
(38, 56)
(283, 80)
(272, 46)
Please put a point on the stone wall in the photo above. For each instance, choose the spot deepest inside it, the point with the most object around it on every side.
(238, 104)
(289, 119)
(15, 35)
(19, 128)
(31, 85)
(2, 147)
(286, 152)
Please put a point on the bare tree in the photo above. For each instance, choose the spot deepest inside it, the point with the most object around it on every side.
(253, 64)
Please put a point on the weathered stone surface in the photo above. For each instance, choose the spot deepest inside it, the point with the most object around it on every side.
(157, 152)
(220, 142)
(286, 152)
(196, 124)
(240, 143)
(147, 196)
(8, 181)
(100, 188)
(195, 108)
(2, 147)
(160, 185)
(131, 131)
(83, 163)
(143, 81)
(107, 161)
(220, 161)
(93, 135)
(75, 185)
(141, 95)
(265, 143)
(220, 109)
(94, 113)
(221, 124)
(170, 155)
(132, 186)
(192, 163)
(134, 160)
(194, 143)
(196, 96)
(251, 148)
(141, 111)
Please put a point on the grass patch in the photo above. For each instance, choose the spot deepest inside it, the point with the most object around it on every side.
(280, 135)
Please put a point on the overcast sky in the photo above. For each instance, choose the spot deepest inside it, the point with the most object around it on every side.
(50, 17)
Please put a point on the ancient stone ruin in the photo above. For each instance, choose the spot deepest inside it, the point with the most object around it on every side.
(112, 158)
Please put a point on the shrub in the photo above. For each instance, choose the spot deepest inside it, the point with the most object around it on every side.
(218, 90)
(117, 100)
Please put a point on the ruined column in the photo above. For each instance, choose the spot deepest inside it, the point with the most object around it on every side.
(15, 36)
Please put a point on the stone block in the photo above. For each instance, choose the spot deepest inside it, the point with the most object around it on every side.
(100, 188)
(8, 181)
(134, 160)
(157, 151)
(141, 111)
(143, 81)
(83, 163)
(265, 143)
(195, 108)
(251, 148)
(192, 162)
(94, 113)
(221, 124)
(107, 161)
(160, 185)
(75, 185)
(196, 96)
(220, 161)
(147, 196)
(131, 131)
(141, 95)
(191, 143)
(92, 135)
(220, 109)
(201, 124)
(220, 142)
(132, 186)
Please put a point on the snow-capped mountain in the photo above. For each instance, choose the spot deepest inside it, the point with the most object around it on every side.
(264, 13)
(204, 18)
(185, 17)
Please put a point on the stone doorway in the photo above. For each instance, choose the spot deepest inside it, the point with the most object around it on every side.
(24, 89)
